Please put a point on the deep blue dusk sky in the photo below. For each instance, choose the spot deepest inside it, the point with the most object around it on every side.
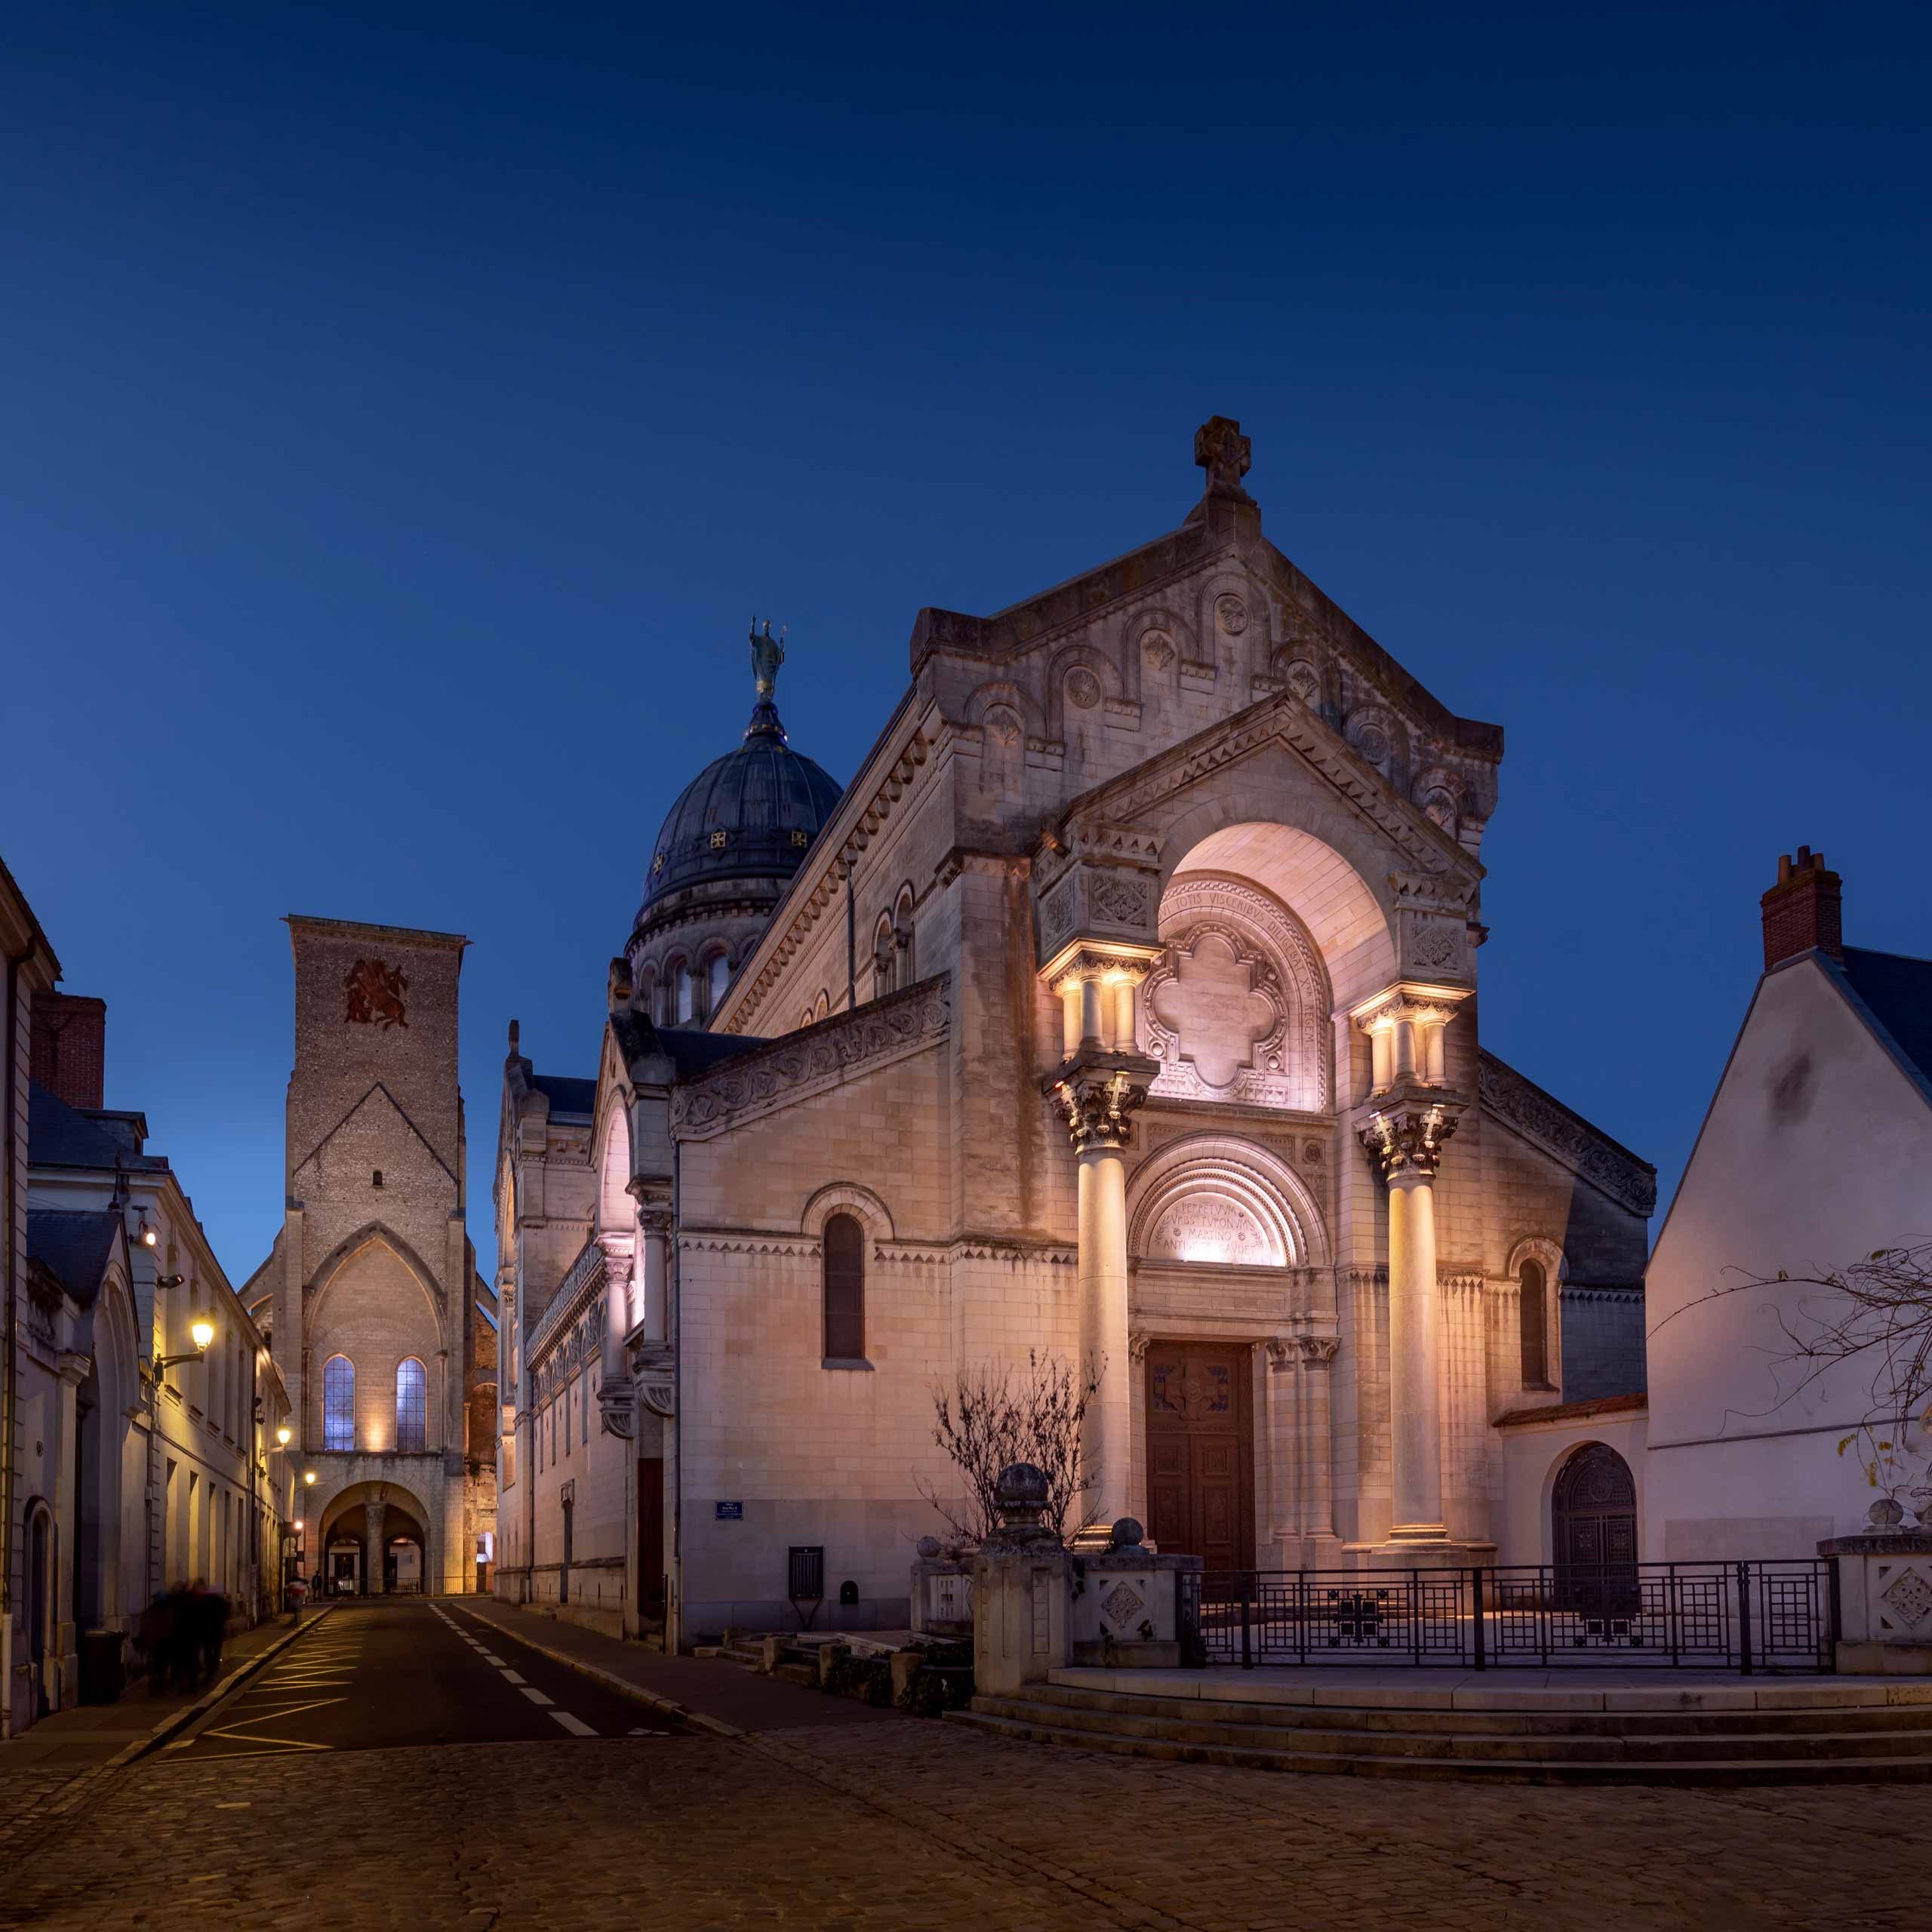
(402, 409)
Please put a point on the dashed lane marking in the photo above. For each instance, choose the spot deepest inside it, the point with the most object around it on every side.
(536, 1696)
(513, 1676)
(575, 1726)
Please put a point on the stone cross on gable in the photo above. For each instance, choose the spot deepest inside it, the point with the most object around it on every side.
(1221, 450)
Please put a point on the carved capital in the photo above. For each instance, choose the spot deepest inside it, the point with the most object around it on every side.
(1405, 1143)
(615, 1409)
(1282, 1355)
(1099, 1096)
(1318, 1351)
(1110, 964)
(1138, 1344)
(656, 1221)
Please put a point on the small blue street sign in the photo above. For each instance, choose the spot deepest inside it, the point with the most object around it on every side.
(731, 1512)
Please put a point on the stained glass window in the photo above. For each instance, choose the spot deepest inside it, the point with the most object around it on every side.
(412, 1405)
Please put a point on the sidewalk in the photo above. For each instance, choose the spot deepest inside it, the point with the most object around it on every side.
(72, 1747)
(711, 1693)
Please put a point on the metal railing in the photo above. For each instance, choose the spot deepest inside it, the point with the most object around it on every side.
(1745, 1616)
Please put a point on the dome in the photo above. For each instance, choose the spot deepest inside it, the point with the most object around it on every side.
(749, 814)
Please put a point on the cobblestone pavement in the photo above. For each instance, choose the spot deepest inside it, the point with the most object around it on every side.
(912, 1823)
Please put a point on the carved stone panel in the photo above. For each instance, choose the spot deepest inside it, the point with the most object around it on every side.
(1238, 1010)
(1097, 902)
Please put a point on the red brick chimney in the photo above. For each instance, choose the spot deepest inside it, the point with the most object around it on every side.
(69, 1048)
(1801, 910)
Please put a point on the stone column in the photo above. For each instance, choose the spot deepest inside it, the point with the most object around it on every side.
(1284, 1474)
(374, 1515)
(1404, 1142)
(1098, 1095)
(654, 1227)
(1315, 1385)
(618, 1263)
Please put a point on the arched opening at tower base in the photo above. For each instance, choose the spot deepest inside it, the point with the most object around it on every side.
(374, 1542)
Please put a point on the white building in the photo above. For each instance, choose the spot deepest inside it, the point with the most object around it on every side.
(134, 1457)
(1816, 1152)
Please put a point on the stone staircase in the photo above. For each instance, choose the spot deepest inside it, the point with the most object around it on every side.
(773, 1656)
(1788, 1733)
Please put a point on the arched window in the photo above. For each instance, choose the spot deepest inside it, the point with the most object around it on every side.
(1532, 1324)
(412, 1405)
(720, 978)
(883, 957)
(338, 1403)
(902, 936)
(684, 993)
(646, 994)
(824, 1006)
(845, 1244)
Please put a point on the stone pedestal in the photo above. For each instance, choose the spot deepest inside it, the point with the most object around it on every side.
(1020, 1582)
(1883, 1582)
(1130, 1609)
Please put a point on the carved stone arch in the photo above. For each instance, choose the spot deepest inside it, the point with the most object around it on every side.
(845, 1197)
(1443, 798)
(999, 700)
(1155, 641)
(1549, 1258)
(1071, 662)
(1239, 1182)
(1380, 739)
(346, 1250)
(1539, 1248)
(616, 1212)
(1279, 975)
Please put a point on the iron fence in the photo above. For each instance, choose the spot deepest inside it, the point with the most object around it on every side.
(1747, 1617)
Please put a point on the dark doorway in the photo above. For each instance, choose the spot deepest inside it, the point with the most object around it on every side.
(1594, 1533)
(650, 1538)
(564, 1573)
(1200, 1452)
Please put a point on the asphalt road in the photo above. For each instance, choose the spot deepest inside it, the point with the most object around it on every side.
(400, 1671)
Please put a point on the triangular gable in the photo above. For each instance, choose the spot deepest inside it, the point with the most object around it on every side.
(1282, 720)
(379, 1087)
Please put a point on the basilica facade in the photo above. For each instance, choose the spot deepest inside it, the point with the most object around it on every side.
(1124, 1005)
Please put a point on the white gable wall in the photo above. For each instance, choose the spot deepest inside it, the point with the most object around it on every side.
(1816, 1152)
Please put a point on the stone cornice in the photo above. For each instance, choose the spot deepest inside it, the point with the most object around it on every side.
(582, 1279)
(1547, 1125)
(813, 1061)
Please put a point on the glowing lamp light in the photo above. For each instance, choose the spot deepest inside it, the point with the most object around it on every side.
(149, 1237)
(282, 1435)
(202, 1331)
(299, 1523)
(308, 1476)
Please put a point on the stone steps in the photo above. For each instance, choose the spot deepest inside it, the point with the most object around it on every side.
(1854, 1743)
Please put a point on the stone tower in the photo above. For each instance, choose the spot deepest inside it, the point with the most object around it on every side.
(379, 1324)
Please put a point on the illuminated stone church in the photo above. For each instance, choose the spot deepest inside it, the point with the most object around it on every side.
(1123, 1005)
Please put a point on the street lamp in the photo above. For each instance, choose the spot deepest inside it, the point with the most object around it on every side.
(282, 1435)
(200, 1332)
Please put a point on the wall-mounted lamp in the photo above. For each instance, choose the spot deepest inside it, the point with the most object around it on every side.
(200, 1332)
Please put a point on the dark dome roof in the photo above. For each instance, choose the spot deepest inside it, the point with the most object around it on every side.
(749, 814)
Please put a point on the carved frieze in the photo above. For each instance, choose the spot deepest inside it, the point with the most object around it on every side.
(792, 1068)
(1408, 1140)
(1546, 1123)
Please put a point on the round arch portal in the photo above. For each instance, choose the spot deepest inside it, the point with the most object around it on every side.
(374, 1542)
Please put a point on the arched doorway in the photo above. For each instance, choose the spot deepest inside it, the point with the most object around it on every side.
(40, 1599)
(1593, 1532)
(374, 1542)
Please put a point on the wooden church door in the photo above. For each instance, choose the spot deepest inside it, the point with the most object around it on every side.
(1200, 1452)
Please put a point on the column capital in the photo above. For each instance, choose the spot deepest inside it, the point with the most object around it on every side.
(1115, 962)
(1405, 1142)
(1097, 1094)
(1420, 1001)
(657, 1221)
(1318, 1351)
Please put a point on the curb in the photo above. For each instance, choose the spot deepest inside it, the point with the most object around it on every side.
(41, 1816)
(612, 1681)
(173, 1725)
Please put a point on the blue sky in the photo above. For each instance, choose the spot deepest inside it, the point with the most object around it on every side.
(402, 409)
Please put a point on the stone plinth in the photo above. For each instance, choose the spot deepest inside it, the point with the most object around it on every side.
(1019, 1616)
(941, 1596)
(1884, 1587)
(1129, 1611)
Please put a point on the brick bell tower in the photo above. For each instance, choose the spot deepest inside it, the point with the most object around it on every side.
(376, 1326)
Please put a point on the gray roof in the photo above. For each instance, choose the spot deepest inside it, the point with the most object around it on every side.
(58, 1136)
(566, 1094)
(75, 1246)
(1897, 992)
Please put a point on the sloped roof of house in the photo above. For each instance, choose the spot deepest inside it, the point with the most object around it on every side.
(58, 1136)
(1897, 993)
(73, 1247)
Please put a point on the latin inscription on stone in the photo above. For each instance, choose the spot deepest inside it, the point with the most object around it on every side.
(1209, 1227)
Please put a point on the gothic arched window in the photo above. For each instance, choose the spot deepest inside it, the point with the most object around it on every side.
(412, 1404)
(338, 1403)
(845, 1244)
(1532, 1322)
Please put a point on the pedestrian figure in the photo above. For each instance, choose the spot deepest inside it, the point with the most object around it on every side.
(208, 1626)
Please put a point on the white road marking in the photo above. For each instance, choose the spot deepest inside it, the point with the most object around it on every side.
(535, 1696)
(497, 1661)
(511, 1674)
(575, 1726)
